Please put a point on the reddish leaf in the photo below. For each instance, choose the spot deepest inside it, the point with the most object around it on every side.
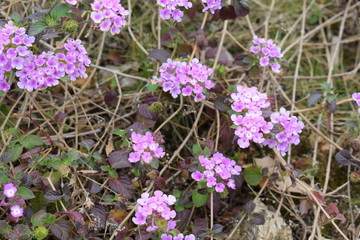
(160, 182)
(60, 117)
(333, 212)
(227, 12)
(61, 229)
(118, 215)
(145, 112)
(111, 97)
(99, 211)
(122, 185)
(30, 154)
(241, 8)
(119, 159)
(75, 216)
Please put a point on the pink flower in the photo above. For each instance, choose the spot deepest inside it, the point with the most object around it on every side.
(16, 211)
(145, 147)
(72, 2)
(264, 61)
(197, 176)
(10, 190)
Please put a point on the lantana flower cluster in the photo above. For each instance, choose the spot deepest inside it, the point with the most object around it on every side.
(71, 2)
(267, 52)
(217, 171)
(356, 97)
(38, 71)
(251, 126)
(287, 131)
(180, 236)
(146, 147)
(184, 78)
(154, 211)
(46, 69)
(211, 5)
(280, 132)
(13, 200)
(110, 15)
(171, 8)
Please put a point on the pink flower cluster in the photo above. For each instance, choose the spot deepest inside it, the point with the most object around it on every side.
(152, 210)
(252, 125)
(71, 2)
(178, 237)
(14, 50)
(39, 71)
(185, 78)
(280, 132)
(356, 97)
(287, 128)
(218, 171)
(171, 9)
(109, 15)
(211, 5)
(268, 52)
(10, 192)
(46, 69)
(146, 147)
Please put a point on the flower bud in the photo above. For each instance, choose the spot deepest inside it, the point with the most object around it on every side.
(70, 26)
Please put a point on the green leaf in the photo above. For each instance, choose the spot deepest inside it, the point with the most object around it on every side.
(179, 208)
(120, 132)
(4, 227)
(37, 27)
(252, 175)
(31, 141)
(152, 87)
(12, 154)
(59, 11)
(196, 150)
(50, 219)
(154, 163)
(113, 173)
(207, 152)
(199, 199)
(25, 193)
(38, 218)
(14, 132)
(15, 17)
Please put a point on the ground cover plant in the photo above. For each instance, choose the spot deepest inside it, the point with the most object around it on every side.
(179, 119)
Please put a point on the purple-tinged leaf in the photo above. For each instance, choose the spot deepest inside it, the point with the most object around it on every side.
(99, 212)
(258, 219)
(219, 103)
(225, 56)
(183, 219)
(122, 185)
(119, 159)
(249, 207)
(53, 195)
(94, 187)
(111, 97)
(200, 224)
(332, 106)
(75, 216)
(217, 228)
(88, 144)
(60, 117)
(159, 54)
(314, 97)
(227, 13)
(145, 112)
(343, 157)
(241, 8)
(29, 154)
(61, 229)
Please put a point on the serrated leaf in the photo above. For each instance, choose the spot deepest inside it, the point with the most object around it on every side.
(152, 87)
(31, 141)
(119, 159)
(159, 54)
(37, 27)
(252, 175)
(120, 132)
(53, 195)
(4, 227)
(242, 8)
(217, 228)
(59, 11)
(75, 216)
(37, 218)
(122, 185)
(25, 193)
(61, 229)
(314, 97)
(15, 17)
(199, 199)
(196, 150)
(12, 154)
